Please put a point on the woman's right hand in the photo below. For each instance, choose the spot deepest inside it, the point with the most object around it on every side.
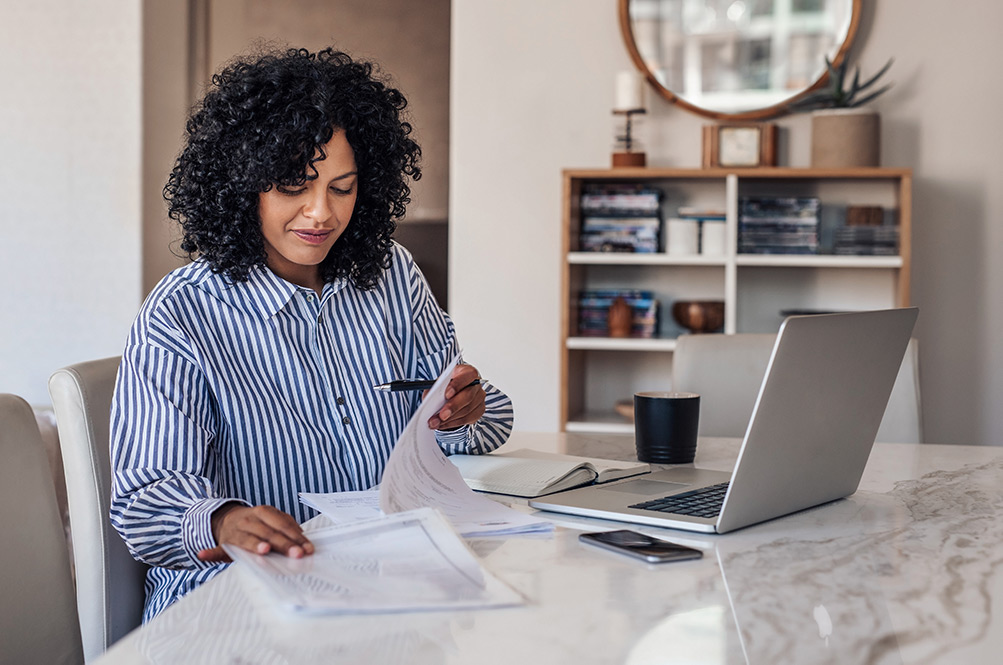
(259, 529)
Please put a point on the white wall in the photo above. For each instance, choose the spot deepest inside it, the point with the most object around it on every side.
(69, 185)
(532, 88)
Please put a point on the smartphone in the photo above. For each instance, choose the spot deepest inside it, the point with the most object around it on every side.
(640, 546)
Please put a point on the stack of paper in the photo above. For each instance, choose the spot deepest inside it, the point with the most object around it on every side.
(409, 561)
(419, 475)
(470, 522)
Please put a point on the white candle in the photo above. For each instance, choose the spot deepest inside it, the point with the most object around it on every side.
(629, 91)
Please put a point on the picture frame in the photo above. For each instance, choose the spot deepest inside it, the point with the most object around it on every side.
(740, 145)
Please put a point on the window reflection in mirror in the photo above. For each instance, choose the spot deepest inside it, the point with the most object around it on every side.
(737, 58)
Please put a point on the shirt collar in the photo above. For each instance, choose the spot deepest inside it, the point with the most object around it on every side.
(264, 293)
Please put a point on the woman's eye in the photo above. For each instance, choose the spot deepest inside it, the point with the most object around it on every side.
(289, 191)
(343, 192)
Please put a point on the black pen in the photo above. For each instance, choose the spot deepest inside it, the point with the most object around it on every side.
(416, 384)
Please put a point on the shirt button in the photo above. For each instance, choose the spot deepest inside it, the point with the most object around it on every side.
(346, 420)
(309, 297)
(340, 400)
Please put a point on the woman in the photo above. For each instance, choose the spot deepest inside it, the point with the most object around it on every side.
(248, 375)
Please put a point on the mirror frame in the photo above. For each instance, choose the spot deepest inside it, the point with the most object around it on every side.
(778, 109)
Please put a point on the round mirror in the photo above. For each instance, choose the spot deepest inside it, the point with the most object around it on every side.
(737, 59)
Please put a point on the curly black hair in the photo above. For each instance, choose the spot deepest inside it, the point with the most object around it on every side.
(263, 123)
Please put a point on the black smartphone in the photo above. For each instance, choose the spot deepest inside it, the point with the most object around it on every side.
(640, 546)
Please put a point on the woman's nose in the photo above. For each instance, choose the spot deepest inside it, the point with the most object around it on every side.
(317, 207)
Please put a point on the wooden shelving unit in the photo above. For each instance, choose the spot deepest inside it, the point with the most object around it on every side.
(596, 372)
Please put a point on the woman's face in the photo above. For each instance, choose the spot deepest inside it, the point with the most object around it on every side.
(301, 224)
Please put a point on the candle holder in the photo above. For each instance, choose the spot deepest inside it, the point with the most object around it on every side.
(627, 154)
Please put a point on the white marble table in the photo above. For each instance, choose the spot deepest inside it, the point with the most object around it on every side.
(907, 570)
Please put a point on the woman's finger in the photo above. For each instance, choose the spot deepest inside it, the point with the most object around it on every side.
(284, 524)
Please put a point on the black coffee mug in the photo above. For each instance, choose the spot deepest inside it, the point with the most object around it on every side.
(665, 426)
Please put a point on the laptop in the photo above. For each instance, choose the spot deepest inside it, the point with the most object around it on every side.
(811, 431)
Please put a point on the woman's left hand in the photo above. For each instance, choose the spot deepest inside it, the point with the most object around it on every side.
(464, 402)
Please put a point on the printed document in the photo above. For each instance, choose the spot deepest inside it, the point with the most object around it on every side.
(419, 474)
(408, 561)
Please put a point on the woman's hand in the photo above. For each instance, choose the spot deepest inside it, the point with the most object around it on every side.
(464, 402)
(259, 529)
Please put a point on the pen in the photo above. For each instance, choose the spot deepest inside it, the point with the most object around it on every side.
(416, 384)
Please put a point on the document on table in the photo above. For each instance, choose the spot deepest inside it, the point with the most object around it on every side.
(418, 474)
(405, 562)
(347, 507)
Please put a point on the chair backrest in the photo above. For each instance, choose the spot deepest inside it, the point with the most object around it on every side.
(903, 420)
(727, 371)
(110, 583)
(38, 616)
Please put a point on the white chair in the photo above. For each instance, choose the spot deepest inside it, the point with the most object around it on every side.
(110, 583)
(38, 616)
(903, 420)
(727, 370)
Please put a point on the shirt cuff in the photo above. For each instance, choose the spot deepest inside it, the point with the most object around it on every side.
(454, 441)
(196, 528)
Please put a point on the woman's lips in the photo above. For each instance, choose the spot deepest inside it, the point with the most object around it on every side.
(312, 237)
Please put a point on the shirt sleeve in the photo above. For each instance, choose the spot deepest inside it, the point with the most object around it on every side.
(163, 463)
(437, 345)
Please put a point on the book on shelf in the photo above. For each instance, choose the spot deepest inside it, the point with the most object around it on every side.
(620, 199)
(778, 225)
(620, 234)
(701, 214)
(593, 312)
(620, 218)
(530, 473)
(866, 241)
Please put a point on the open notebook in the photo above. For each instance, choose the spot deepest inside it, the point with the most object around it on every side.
(530, 473)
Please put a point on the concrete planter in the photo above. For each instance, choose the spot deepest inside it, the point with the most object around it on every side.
(845, 138)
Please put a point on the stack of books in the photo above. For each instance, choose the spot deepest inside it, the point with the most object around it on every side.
(593, 312)
(867, 241)
(778, 225)
(620, 218)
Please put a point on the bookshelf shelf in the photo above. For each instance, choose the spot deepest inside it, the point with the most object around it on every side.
(620, 344)
(757, 289)
(599, 422)
(776, 261)
(656, 259)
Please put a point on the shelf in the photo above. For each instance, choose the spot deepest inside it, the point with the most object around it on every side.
(817, 261)
(783, 172)
(605, 423)
(656, 259)
(620, 344)
(597, 372)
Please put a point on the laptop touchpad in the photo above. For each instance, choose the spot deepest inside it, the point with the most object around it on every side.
(644, 487)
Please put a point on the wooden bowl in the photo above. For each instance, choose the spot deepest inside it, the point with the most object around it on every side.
(699, 316)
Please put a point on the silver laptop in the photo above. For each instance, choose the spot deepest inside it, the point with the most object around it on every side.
(812, 428)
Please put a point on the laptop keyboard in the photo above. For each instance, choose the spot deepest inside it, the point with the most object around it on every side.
(703, 502)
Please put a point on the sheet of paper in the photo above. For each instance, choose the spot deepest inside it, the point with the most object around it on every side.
(419, 474)
(409, 561)
(347, 507)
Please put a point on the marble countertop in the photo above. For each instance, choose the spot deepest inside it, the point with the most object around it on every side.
(904, 571)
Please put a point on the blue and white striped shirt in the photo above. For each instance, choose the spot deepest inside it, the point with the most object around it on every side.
(259, 390)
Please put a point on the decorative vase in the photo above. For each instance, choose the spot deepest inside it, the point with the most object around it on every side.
(619, 319)
(699, 316)
(842, 138)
